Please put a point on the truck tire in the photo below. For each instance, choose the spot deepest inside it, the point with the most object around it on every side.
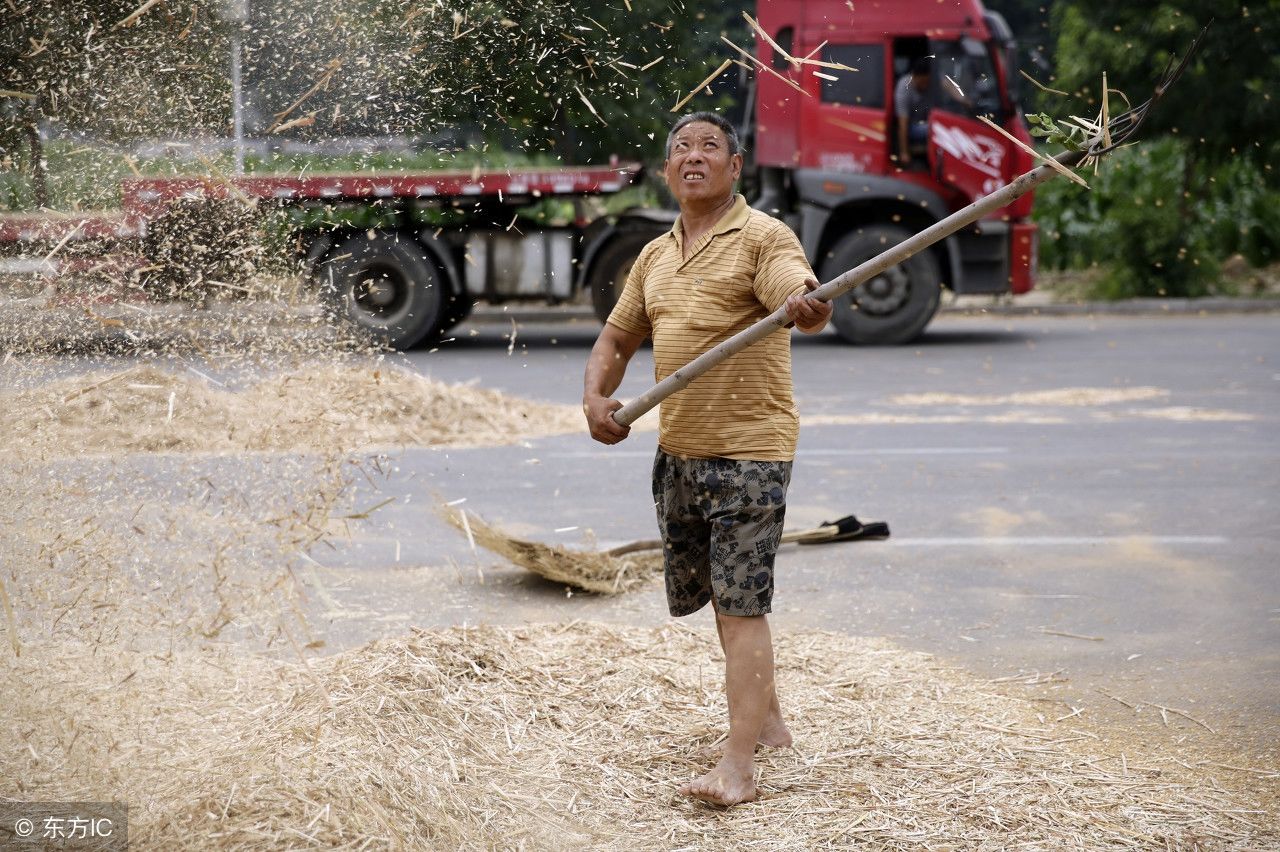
(610, 270)
(387, 285)
(459, 308)
(895, 306)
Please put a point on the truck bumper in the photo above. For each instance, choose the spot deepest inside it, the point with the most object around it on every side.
(996, 258)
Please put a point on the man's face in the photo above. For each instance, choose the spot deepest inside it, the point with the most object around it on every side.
(699, 168)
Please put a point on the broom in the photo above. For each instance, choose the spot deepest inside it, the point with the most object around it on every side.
(626, 566)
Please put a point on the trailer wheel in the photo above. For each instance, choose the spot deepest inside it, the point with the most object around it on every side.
(387, 285)
(459, 308)
(896, 305)
(610, 270)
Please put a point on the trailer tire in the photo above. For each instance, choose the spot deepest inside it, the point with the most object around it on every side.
(894, 307)
(387, 285)
(459, 308)
(610, 270)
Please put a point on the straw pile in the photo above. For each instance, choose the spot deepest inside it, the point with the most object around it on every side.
(602, 572)
(106, 551)
(331, 407)
(577, 736)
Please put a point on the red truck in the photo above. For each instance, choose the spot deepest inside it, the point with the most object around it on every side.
(822, 155)
(827, 161)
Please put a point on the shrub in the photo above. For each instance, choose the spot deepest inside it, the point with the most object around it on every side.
(1151, 240)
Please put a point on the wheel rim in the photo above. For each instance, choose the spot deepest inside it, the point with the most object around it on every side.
(379, 292)
(885, 294)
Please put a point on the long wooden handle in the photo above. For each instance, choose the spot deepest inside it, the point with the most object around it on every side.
(788, 537)
(680, 379)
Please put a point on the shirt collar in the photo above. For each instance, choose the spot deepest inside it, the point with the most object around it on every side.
(731, 221)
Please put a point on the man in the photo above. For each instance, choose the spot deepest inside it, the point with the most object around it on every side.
(911, 108)
(725, 443)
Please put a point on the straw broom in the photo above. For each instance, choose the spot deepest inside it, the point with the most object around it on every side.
(627, 566)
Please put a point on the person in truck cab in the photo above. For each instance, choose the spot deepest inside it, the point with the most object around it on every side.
(911, 109)
(912, 103)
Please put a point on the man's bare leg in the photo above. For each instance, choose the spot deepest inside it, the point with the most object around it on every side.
(748, 649)
(775, 733)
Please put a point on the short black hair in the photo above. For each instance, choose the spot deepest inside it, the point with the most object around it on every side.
(923, 65)
(715, 118)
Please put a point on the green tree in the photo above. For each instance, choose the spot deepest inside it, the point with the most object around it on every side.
(582, 79)
(1221, 112)
(1224, 103)
(113, 68)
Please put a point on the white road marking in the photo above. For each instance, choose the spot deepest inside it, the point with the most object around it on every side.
(1054, 540)
(800, 454)
(905, 451)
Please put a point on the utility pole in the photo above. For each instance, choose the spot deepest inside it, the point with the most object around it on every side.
(236, 13)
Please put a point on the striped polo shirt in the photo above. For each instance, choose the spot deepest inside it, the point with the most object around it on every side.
(740, 272)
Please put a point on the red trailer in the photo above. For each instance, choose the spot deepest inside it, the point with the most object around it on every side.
(405, 281)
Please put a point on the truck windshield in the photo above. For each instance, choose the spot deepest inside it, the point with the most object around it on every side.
(965, 81)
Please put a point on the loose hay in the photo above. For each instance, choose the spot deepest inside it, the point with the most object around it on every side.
(577, 736)
(602, 572)
(148, 409)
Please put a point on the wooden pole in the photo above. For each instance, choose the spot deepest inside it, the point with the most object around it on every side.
(681, 378)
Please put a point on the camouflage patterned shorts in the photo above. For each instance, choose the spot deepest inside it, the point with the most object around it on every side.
(721, 522)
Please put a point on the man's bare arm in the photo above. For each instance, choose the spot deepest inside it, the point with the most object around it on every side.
(606, 366)
(904, 152)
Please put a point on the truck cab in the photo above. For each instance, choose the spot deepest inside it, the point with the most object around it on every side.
(828, 161)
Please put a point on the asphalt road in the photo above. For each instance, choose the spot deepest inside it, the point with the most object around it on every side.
(1107, 555)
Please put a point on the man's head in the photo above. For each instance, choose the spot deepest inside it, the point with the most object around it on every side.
(704, 159)
(921, 71)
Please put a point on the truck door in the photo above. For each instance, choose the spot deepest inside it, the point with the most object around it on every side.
(844, 128)
(964, 153)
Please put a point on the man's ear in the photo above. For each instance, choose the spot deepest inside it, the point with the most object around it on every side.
(736, 163)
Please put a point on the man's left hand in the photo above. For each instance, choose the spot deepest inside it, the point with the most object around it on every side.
(809, 314)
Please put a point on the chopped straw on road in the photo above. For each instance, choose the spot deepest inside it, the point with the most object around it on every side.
(577, 737)
(150, 409)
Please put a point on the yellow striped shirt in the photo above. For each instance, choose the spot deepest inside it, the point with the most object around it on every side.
(740, 272)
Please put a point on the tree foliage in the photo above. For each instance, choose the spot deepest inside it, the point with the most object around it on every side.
(586, 79)
(92, 65)
(1200, 183)
(582, 79)
(1225, 104)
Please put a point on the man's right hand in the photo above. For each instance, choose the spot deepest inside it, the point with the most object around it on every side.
(599, 412)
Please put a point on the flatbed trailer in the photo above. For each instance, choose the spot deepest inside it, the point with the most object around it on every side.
(404, 255)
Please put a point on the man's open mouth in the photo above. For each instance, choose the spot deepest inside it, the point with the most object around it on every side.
(694, 176)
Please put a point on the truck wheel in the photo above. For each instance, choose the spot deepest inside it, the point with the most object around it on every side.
(459, 308)
(896, 305)
(610, 270)
(387, 285)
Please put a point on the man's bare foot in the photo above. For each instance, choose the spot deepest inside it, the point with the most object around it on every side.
(732, 782)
